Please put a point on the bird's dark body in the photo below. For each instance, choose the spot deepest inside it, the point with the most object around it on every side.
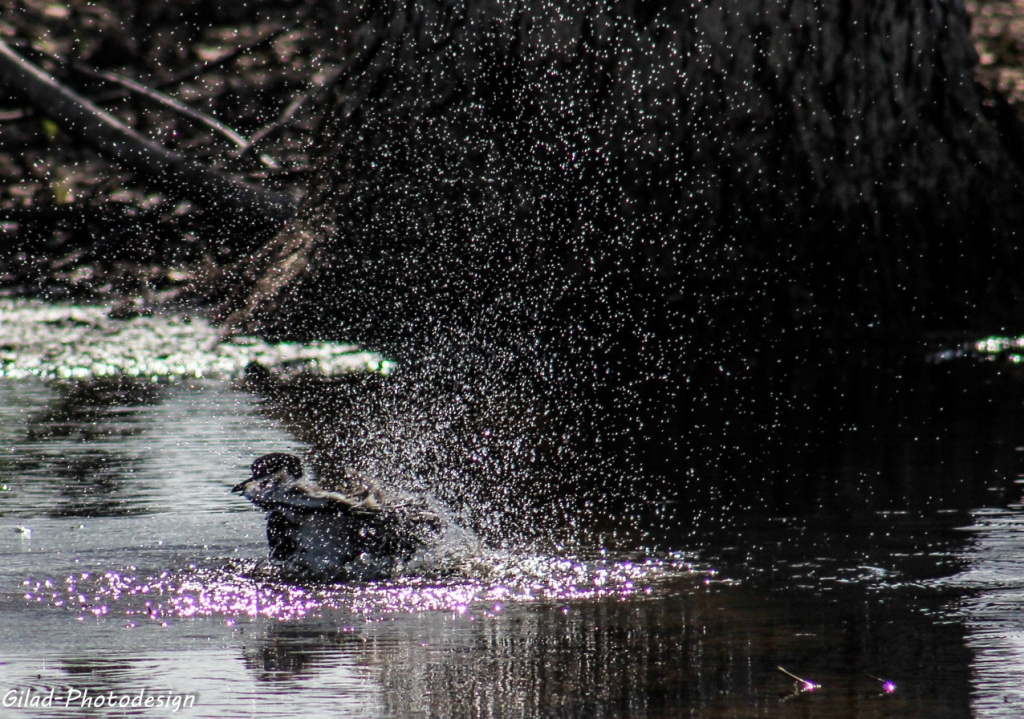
(321, 534)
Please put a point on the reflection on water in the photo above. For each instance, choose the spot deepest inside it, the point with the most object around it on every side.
(992, 613)
(72, 453)
(122, 447)
(862, 556)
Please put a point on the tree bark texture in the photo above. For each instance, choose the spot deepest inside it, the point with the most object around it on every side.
(637, 173)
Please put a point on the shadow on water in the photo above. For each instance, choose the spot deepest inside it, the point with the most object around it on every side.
(77, 443)
(104, 448)
(818, 509)
(291, 652)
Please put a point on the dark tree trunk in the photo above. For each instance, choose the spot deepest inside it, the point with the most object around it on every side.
(634, 195)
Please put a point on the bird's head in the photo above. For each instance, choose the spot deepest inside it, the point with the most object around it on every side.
(270, 473)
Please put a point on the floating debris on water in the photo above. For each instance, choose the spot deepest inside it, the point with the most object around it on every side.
(888, 687)
(76, 342)
(800, 685)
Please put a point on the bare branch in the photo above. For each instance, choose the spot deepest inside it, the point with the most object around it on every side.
(173, 103)
(175, 173)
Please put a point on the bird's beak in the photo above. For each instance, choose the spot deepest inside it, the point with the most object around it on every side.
(240, 487)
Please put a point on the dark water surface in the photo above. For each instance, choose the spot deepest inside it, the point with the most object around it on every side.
(884, 543)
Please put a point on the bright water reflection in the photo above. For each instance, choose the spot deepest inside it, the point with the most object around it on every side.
(992, 612)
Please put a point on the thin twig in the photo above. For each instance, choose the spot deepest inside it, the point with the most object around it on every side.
(173, 103)
(293, 107)
(888, 686)
(808, 685)
(281, 172)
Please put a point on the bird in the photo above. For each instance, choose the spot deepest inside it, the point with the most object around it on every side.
(322, 531)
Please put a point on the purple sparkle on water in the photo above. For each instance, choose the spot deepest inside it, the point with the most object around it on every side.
(243, 590)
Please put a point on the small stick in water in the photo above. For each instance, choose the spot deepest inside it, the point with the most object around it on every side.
(803, 685)
(888, 687)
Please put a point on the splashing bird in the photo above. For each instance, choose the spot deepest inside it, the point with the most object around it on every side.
(320, 531)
